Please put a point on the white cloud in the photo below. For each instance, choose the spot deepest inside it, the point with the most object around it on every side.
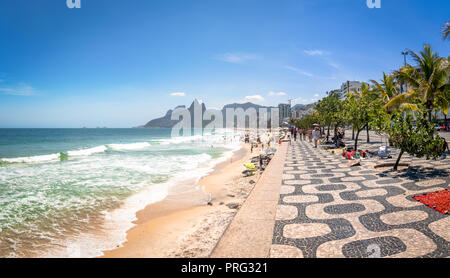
(19, 90)
(315, 52)
(315, 98)
(178, 94)
(277, 94)
(257, 98)
(334, 65)
(236, 58)
(300, 100)
(299, 71)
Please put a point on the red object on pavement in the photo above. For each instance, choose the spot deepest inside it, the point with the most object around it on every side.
(439, 201)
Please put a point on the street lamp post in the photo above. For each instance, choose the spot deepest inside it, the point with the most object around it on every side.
(405, 53)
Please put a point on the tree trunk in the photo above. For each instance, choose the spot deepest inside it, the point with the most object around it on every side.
(368, 138)
(445, 121)
(353, 133)
(356, 139)
(398, 160)
(328, 134)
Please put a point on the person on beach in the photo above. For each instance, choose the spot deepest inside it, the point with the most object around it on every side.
(444, 154)
(315, 136)
(309, 134)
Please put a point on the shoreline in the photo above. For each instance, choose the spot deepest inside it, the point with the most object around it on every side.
(177, 227)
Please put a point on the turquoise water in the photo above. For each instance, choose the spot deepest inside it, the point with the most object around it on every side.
(74, 192)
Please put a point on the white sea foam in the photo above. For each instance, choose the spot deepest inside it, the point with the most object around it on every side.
(86, 152)
(180, 139)
(55, 156)
(131, 146)
(32, 159)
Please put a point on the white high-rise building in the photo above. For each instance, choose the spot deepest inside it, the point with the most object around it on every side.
(349, 86)
(285, 112)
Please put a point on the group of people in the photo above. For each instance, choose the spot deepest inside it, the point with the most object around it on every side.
(313, 135)
(338, 139)
(265, 144)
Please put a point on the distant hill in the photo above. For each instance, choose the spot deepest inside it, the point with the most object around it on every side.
(299, 107)
(166, 122)
(302, 110)
(163, 122)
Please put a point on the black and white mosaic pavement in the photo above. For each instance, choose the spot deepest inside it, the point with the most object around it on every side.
(327, 209)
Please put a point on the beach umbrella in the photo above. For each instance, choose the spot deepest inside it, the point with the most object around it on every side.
(316, 125)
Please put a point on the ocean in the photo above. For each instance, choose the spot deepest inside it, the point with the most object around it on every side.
(75, 192)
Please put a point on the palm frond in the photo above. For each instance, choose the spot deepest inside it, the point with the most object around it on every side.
(396, 101)
(409, 106)
(446, 30)
(415, 57)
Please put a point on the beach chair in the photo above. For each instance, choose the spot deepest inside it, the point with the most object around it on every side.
(383, 152)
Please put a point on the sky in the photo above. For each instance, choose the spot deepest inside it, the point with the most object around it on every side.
(121, 63)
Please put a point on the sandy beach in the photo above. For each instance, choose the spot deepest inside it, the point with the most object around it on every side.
(180, 227)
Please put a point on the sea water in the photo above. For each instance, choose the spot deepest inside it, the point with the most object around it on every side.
(75, 192)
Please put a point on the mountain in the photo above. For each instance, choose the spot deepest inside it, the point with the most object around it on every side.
(163, 122)
(166, 122)
(300, 107)
(302, 110)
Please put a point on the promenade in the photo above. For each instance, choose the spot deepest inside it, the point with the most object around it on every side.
(328, 209)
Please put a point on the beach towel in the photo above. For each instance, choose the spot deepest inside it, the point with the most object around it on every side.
(250, 166)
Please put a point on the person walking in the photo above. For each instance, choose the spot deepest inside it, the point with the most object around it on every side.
(295, 134)
(261, 163)
(315, 136)
(444, 154)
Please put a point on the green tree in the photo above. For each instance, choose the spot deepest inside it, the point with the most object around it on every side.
(308, 121)
(330, 111)
(427, 83)
(358, 107)
(418, 140)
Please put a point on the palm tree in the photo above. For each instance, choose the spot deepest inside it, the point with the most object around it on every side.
(428, 83)
(388, 87)
(446, 30)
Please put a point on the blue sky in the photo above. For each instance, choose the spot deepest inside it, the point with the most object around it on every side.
(121, 63)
